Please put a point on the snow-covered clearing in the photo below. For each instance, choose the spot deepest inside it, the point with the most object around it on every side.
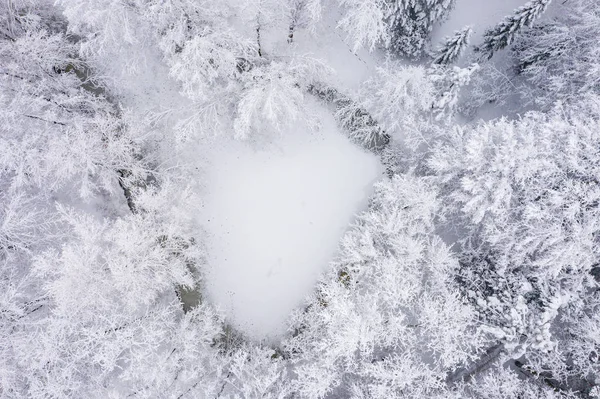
(274, 211)
(274, 214)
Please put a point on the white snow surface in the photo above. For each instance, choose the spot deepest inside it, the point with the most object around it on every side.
(274, 213)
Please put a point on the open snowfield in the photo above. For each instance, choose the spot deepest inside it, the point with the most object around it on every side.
(274, 216)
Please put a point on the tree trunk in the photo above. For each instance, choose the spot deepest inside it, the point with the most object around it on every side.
(481, 364)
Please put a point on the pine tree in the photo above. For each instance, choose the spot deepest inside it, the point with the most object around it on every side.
(402, 26)
(504, 33)
(559, 57)
(411, 22)
(453, 47)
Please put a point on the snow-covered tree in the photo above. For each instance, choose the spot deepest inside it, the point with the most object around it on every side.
(388, 299)
(452, 47)
(365, 23)
(411, 22)
(221, 66)
(273, 95)
(503, 34)
(525, 193)
(559, 58)
(44, 108)
(449, 82)
(104, 105)
(62, 142)
(400, 98)
(500, 381)
(111, 300)
(303, 14)
(494, 88)
(403, 26)
(410, 102)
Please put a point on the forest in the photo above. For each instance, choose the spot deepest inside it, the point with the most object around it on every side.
(299, 199)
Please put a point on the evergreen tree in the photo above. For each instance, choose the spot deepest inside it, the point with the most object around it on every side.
(410, 23)
(526, 194)
(559, 58)
(452, 47)
(504, 33)
(403, 26)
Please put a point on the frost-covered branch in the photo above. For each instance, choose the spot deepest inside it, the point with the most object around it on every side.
(453, 47)
(504, 33)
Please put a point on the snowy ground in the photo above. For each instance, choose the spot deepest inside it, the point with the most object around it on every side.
(274, 215)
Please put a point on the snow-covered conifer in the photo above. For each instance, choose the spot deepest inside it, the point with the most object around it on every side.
(403, 26)
(558, 58)
(522, 190)
(452, 47)
(503, 34)
(411, 21)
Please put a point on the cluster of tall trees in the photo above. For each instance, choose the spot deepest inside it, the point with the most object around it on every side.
(403, 26)
(474, 272)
